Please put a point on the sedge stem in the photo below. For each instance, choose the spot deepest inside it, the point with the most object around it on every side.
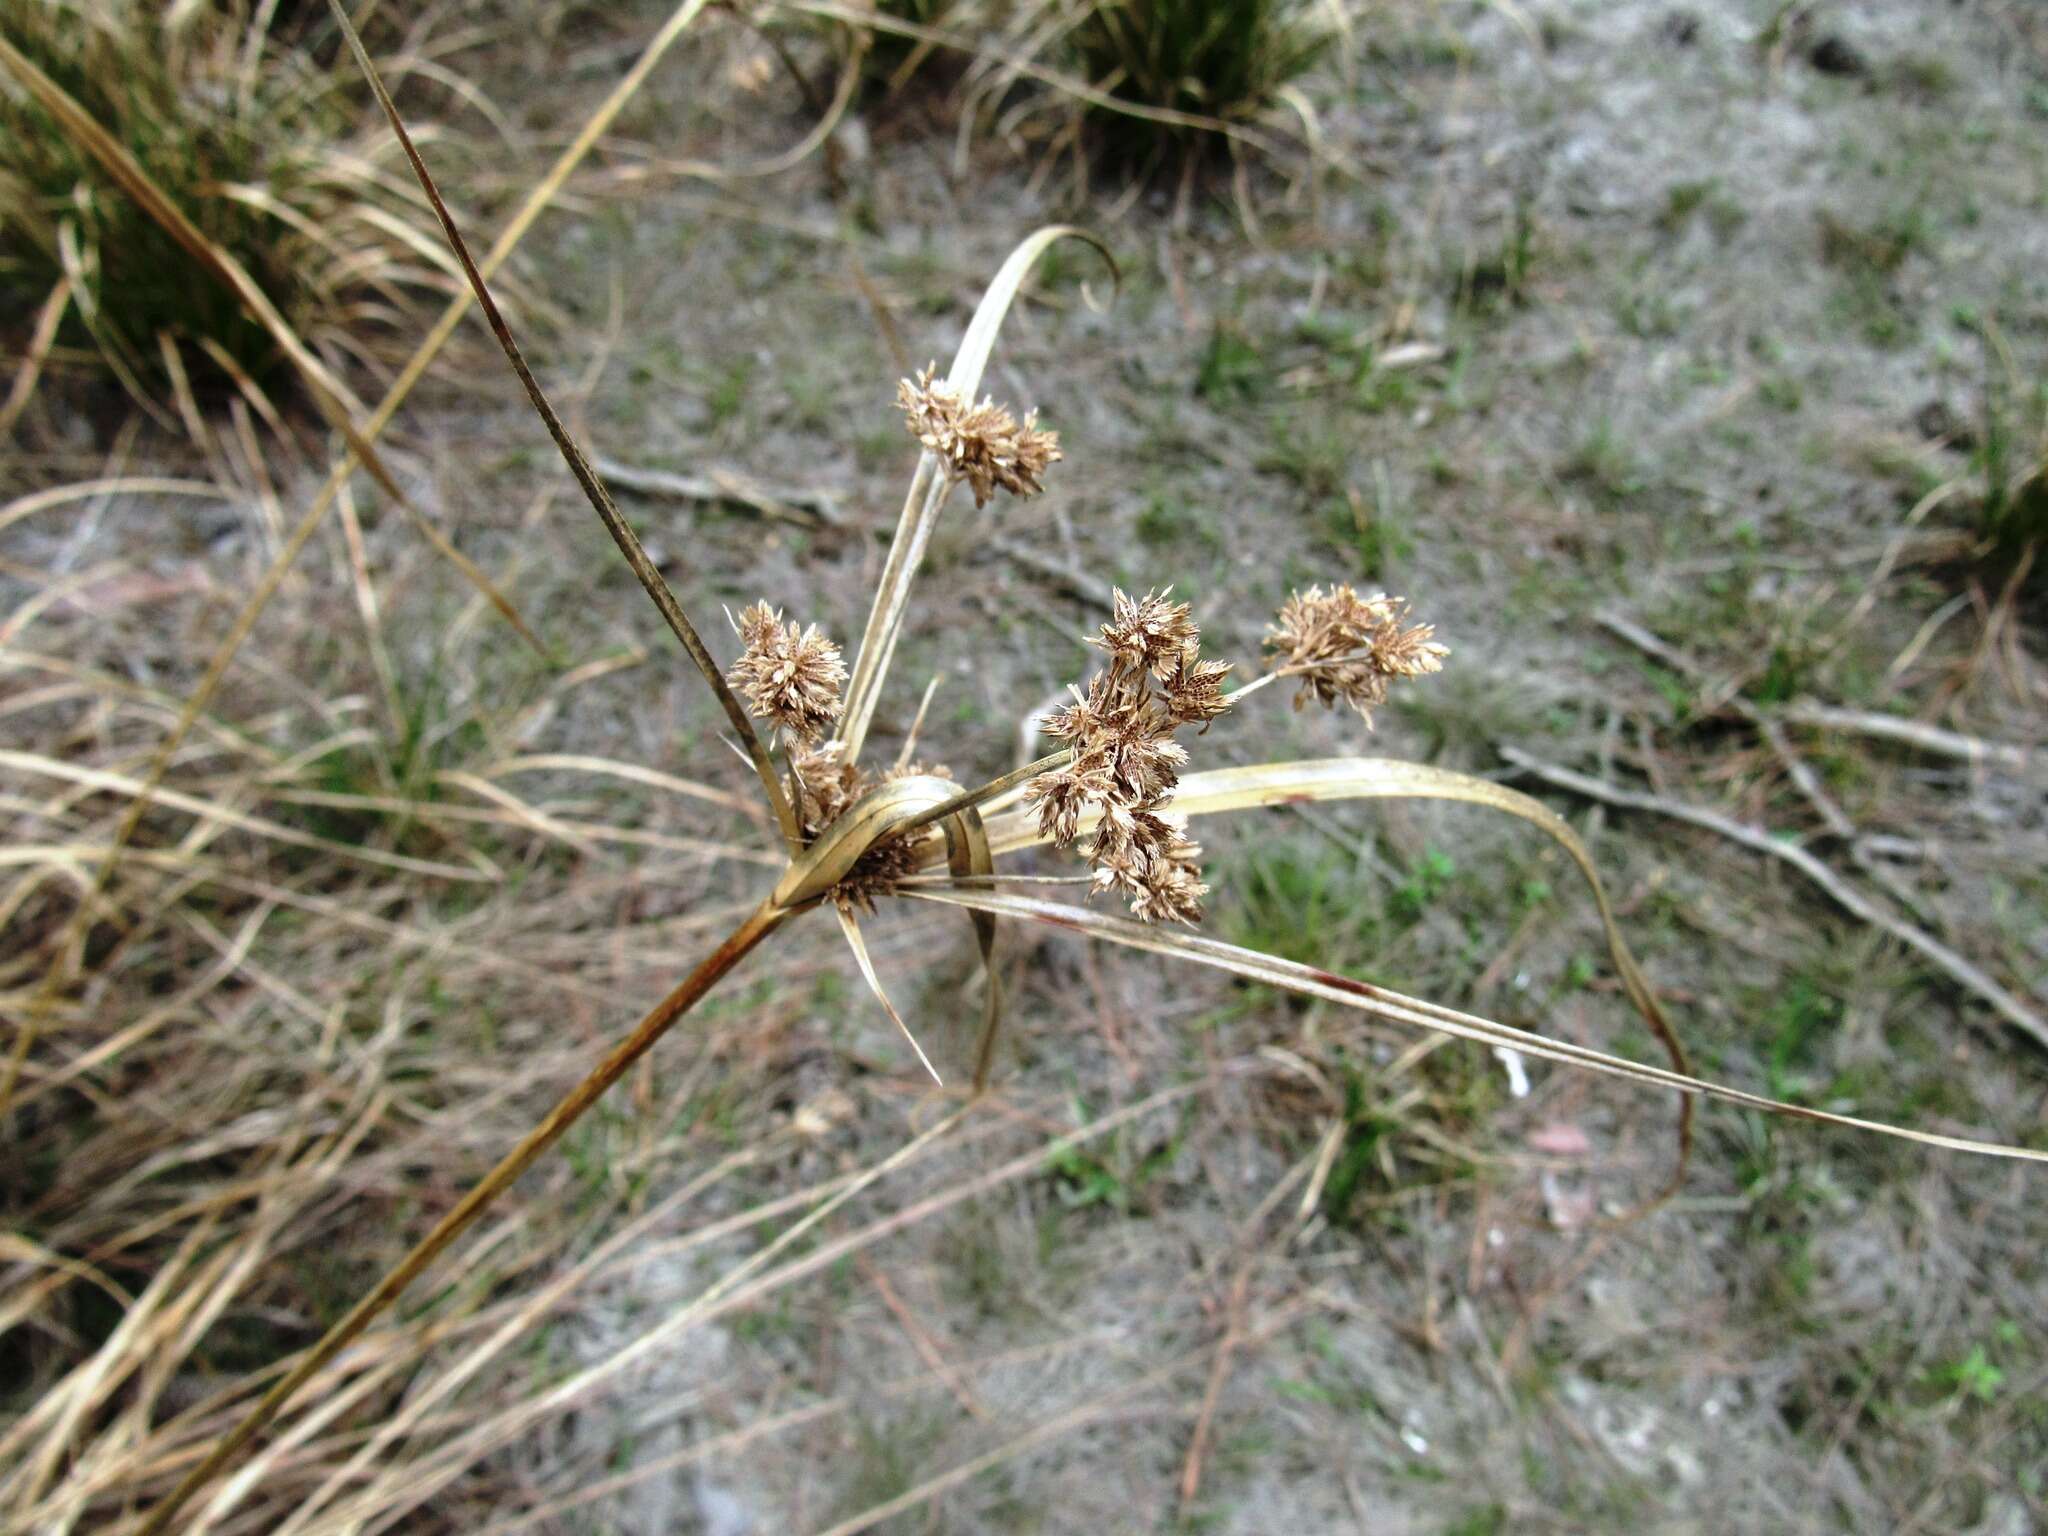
(764, 920)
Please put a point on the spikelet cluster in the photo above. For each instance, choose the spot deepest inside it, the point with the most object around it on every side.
(981, 444)
(791, 676)
(1347, 649)
(1123, 762)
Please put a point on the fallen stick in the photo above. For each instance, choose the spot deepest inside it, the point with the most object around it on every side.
(1931, 739)
(1958, 969)
(1917, 734)
(792, 503)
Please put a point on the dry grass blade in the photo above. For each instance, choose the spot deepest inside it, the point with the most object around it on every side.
(929, 487)
(209, 811)
(572, 452)
(850, 926)
(48, 318)
(272, 580)
(709, 972)
(968, 857)
(113, 485)
(335, 399)
(1398, 1008)
(632, 773)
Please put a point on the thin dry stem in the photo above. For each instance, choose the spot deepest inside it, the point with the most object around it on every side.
(764, 920)
(272, 580)
(594, 490)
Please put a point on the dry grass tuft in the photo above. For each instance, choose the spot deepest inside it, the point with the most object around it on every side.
(265, 151)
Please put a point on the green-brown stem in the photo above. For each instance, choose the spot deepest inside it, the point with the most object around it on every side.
(764, 920)
(975, 798)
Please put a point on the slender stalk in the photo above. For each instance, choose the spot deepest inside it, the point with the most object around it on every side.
(976, 797)
(764, 920)
(586, 475)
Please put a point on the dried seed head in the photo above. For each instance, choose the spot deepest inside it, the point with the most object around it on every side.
(1061, 795)
(1347, 648)
(1148, 634)
(1174, 891)
(1147, 857)
(825, 786)
(1123, 763)
(790, 676)
(981, 444)
(1194, 691)
(1145, 767)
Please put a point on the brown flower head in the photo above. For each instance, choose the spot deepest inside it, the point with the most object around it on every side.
(1062, 795)
(1123, 763)
(1194, 691)
(981, 444)
(1347, 648)
(1174, 888)
(1147, 857)
(1148, 634)
(824, 785)
(790, 676)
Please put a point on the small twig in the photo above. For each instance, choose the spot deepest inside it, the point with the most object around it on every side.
(1922, 737)
(1219, 1372)
(1911, 733)
(1803, 778)
(1959, 970)
(792, 503)
(1092, 590)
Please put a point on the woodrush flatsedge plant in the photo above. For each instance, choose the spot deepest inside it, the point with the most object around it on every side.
(857, 836)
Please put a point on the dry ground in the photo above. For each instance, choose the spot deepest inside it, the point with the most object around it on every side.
(1628, 313)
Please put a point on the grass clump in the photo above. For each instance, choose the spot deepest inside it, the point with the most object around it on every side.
(2012, 457)
(1223, 60)
(248, 135)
